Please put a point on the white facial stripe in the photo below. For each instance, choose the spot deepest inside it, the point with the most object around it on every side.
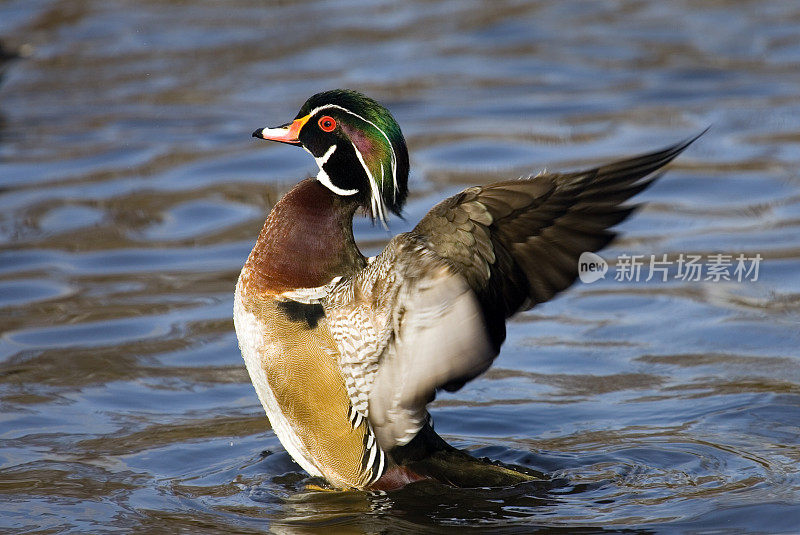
(325, 180)
(376, 200)
(394, 158)
(322, 160)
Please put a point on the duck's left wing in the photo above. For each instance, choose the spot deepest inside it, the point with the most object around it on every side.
(405, 326)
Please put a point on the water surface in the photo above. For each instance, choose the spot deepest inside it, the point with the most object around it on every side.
(131, 193)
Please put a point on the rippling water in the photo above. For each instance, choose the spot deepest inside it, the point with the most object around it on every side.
(131, 193)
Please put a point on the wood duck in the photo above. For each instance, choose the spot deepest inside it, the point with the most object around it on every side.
(345, 352)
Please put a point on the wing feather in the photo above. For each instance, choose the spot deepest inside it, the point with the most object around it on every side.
(432, 333)
(429, 312)
(529, 233)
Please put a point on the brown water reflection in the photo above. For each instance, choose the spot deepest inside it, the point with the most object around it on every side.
(131, 192)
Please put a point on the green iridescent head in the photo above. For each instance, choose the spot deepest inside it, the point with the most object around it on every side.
(357, 144)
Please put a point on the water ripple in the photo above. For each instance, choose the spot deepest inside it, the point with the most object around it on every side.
(131, 193)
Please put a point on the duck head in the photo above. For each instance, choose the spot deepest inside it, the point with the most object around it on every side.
(357, 144)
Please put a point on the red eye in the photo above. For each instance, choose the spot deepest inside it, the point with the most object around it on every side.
(327, 123)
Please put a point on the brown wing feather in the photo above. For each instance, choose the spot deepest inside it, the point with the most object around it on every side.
(439, 295)
(517, 242)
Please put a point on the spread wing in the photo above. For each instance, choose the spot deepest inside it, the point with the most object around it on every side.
(517, 243)
(429, 312)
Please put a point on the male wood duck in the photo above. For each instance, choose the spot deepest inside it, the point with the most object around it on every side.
(345, 352)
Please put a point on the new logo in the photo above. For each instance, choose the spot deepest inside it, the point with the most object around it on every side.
(591, 267)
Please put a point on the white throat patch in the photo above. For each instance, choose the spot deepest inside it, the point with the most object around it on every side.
(325, 180)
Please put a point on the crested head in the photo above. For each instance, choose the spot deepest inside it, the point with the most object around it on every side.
(357, 144)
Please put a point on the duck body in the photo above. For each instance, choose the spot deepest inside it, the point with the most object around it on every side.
(346, 352)
(284, 338)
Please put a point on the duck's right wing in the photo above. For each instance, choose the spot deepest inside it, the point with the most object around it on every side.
(517, 243)
(429, 312)
(405, 326)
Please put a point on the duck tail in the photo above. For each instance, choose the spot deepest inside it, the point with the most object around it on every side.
(428, 456)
